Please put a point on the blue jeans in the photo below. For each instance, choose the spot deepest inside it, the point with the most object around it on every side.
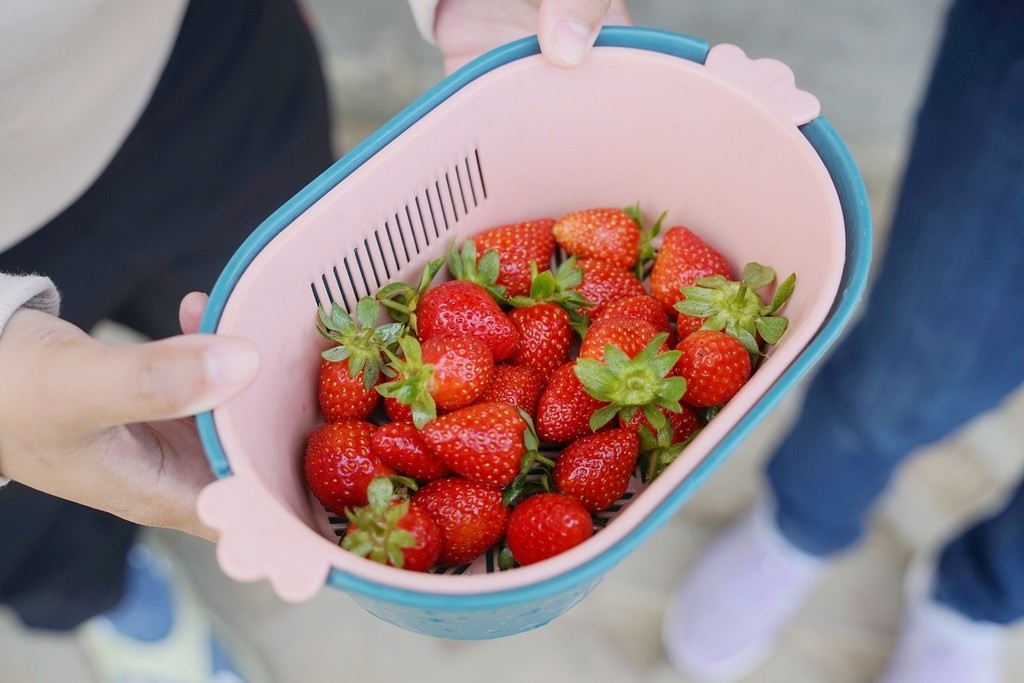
(940, 338)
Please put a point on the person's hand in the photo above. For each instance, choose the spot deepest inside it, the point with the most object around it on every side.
(108, 426)
(565, 29)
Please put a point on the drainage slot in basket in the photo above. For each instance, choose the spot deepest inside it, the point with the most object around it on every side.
(411, 228)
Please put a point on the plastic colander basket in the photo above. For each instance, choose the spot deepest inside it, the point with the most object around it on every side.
(727, 145)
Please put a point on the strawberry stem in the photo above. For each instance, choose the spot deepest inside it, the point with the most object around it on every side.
(741, 294)
(399, 298)
(529, 480)
(647, 253)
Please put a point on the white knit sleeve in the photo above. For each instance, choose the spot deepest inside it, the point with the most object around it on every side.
(33, 291)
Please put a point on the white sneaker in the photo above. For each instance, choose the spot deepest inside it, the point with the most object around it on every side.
(937, 644)
(163, 632)
(726, 614)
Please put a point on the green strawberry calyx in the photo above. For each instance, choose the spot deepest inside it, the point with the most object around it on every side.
(359, 340)
(484, 270)
(399, 299)
(647, 252)
(534, 468)
(559, 287)
(376, 535)
(628, 385)
(737, 308)
(412, 381)
(658, 450)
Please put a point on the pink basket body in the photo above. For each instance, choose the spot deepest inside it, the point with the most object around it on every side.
(717, 147)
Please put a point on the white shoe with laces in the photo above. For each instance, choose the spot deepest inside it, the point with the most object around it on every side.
(937, 644)
(162, 632)
(727, 613)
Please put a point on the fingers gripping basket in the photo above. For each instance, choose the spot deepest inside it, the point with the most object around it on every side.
(727, 145)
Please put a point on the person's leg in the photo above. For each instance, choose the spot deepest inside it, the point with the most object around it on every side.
(61, 563)
(229, 146)
(938, 340)
(237, 124)
(980, 573)
(958, 604)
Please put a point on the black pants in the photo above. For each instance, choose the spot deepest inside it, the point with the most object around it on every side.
(237, 124)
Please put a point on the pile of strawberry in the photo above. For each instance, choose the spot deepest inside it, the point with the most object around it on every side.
(508, 406)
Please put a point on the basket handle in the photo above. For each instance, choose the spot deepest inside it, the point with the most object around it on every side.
(263, 541)
(768, 81)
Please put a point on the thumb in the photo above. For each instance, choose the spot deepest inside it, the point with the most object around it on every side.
(567, 29)
(190, 311)
(165, 379)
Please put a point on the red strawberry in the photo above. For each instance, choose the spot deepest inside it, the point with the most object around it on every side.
(737, 308)
(715, 366)
(516, 385)
(607, 233)
(447, 371)
(518, 245)
(687, 325)
(461, 306)
(546, 524)
(400, 445)
(630, 335)
(352, 367)
(391, 531)
(341, 395)
(641, 306)
(545, 337)
(462, 368)
(565, 407)
(682, 259)
(631, 379)
(339, 465)
(396, 410)
(482, 442)
(596, 469)
(604, 282)
(471, 517)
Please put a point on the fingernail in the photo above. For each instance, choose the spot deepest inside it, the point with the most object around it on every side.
(572, 41)
(231, 362)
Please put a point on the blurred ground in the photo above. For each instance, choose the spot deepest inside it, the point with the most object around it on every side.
(866, 62)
